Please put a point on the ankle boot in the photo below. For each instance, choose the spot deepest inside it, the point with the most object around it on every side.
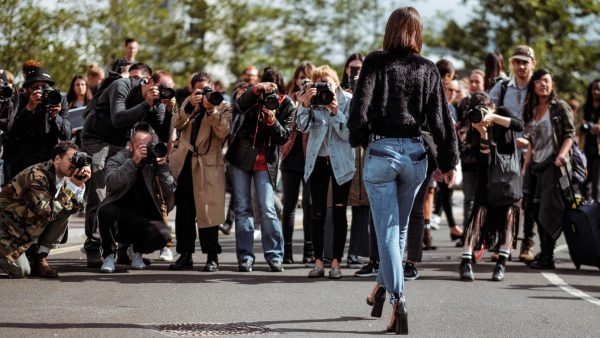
(41, 268)
(544, 262)
(526, 254)
(428, 240)
(212, 263)
(183, 262)
(288, 257)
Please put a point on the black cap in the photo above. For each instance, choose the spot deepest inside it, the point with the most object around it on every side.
(34, 75)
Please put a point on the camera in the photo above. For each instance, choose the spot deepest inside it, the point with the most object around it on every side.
(305, 85)
(6, 92)
(354, 71)
(586, 127)
(271, 100)
(165, 93)
(324, 94)
(215, 98)
(80, 160)
(51, 97)
(476, 114)
(156, 151)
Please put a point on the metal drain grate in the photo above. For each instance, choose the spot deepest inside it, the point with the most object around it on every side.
(213, 329)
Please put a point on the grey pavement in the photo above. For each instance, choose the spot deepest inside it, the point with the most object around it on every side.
(128, 303)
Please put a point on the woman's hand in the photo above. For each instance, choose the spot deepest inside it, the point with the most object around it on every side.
(265, 87)
(481, 128)
(560, 160)
(333, 106)
(308, 95)
(196, 98)
(269, 116)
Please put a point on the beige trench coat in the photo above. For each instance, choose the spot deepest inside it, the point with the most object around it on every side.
(208, 171)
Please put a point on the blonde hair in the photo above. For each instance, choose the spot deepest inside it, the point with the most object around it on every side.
(323, 71)
(94, 70)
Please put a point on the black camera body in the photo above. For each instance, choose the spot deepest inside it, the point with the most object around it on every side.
(6, 91)
(477, 113)
(215, 98)
(50, 97)
(271, 100)
(80, 160)
(324, 94)
(165, 93)
(156, 151)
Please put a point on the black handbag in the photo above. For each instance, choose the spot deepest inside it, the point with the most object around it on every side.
(505, 183)
(242, 153)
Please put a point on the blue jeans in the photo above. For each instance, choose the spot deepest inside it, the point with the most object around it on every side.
(394, 170)
(272, 237)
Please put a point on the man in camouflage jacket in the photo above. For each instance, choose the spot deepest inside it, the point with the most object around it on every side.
(36, 205)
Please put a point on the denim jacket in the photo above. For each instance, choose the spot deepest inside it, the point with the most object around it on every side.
(318, 123)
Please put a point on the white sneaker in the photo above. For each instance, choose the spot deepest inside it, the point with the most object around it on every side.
(166, 255)
(136, 259)
(435, 222)
(109, 264)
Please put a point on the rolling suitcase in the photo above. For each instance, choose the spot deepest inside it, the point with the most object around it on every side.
(581, 227)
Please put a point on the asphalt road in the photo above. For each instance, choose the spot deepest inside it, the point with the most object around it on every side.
(84, 303)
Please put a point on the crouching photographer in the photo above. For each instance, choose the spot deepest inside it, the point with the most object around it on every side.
(138, 185)
(499, 185)
(265, 118)
(198, 166)
(110, 118)
(36, 205)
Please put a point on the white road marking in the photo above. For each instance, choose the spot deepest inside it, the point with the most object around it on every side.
(64, 250)
(554, 279)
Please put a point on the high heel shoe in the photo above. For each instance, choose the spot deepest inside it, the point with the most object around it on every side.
(400, 318)
(377, 304)
(457, 234)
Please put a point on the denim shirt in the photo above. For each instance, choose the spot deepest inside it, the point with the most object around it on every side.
(320, 126)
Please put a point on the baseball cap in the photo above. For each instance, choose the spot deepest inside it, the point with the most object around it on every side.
(523, 52)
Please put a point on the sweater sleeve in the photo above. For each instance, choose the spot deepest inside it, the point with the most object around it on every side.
(120, 116)
(361, 103)
(440, 122)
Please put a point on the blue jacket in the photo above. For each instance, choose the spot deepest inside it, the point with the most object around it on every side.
(319, 124)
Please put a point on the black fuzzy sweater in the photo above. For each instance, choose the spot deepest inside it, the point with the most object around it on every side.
(397, 92)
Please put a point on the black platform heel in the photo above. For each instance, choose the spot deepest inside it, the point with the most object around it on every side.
(401, 319)
(378, 303)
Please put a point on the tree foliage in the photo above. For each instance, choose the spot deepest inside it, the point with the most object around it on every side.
(563, 33)
(187, 35)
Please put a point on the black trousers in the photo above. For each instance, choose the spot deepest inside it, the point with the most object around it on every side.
(185, 217)
(416, 223)
(443, 201)
(291, 188)
(145, 234)
(319, 184)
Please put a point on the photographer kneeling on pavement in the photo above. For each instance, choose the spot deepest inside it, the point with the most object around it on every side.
(138, 184)
(36, 205)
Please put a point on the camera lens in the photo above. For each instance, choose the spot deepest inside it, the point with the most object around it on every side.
(166, 93)
(6, 92)
(51, 97)
(215, 98)
(475, 115)
(271, 101)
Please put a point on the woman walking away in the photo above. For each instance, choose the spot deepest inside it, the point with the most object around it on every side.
(399, 90)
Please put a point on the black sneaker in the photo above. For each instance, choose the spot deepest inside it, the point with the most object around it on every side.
(245, 265)
(466, 272)
(369, 270)
(353, 262)
(94, 260)
(410, 271)
(498, 274)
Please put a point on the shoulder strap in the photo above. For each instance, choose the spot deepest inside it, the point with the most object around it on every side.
(503, 87)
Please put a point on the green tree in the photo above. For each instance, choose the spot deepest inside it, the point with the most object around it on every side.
(563, 33)
(29, 31)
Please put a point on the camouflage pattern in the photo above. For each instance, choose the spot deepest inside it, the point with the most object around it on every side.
(28, 205)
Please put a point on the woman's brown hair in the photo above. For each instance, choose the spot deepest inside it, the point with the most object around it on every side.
(404, 29)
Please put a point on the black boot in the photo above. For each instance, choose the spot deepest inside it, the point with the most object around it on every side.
(288, 257)
(543, 262)
(212, 263)
(183, 262)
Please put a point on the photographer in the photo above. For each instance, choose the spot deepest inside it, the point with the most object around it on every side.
(265, 118)
(591, 130)
(36, 205)
(40, 122)
(329, 156)
(138, 184)
(110, 118)
(197, 165)
(496, 134)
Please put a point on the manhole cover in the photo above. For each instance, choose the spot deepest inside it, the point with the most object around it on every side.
(213, 329)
